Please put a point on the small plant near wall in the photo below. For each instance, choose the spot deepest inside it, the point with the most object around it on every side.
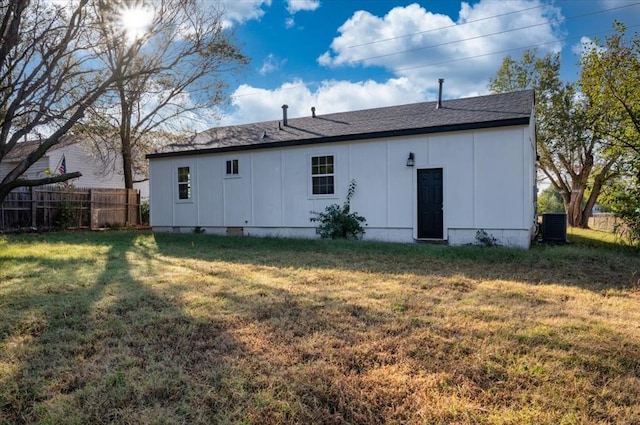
(338, 222)
(144, 212)
(485, 239)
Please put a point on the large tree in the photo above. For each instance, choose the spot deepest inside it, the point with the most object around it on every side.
(186, 41)
(49, 51)
(53, 58)
(611, 72)
(573, 152)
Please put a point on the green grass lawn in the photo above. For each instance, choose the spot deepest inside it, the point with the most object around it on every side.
(125, 327)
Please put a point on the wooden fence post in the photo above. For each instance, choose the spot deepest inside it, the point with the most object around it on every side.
(93, 215)
(34, 209)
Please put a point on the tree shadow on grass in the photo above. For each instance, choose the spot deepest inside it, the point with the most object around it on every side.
(109, 348)
(104, 350)
(247, 351)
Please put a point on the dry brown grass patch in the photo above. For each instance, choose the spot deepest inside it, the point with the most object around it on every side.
(128, 328)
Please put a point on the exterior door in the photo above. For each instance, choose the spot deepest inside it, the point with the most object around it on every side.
(430, 204)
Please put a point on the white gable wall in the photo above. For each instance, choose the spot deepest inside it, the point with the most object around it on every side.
(487, 185)
(34, 172)
(77, 159)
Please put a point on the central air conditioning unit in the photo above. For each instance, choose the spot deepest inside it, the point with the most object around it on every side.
(554, 227)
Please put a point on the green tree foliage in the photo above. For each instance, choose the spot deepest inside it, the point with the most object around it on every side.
(573, 153)
(338, 222)
(550, 201)
(623, 199)
(611, 72)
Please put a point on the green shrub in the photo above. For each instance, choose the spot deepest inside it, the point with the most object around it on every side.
(338, 222)
(624, 200)
(145, 210)
(65, 215)
(485, 239)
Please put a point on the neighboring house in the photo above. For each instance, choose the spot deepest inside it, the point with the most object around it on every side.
(426, 171)
(69, 155)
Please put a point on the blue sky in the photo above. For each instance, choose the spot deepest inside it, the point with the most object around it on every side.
(340, 55)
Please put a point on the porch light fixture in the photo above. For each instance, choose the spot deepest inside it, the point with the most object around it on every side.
(411, 161)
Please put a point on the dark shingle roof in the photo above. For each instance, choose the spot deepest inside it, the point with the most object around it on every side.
(22, 149)
(418, 118)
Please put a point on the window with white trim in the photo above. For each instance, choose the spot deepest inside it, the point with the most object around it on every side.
(232, 167)
(322, 175)
(184, 183)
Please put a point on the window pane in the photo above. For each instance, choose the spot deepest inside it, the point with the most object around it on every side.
(184, 191)
(323, 185)
(322, 165)
(183, 174)
(232, 166)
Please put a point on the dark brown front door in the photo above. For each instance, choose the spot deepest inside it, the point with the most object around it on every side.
(430, 203)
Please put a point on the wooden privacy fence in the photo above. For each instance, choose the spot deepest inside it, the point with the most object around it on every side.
(49, 207)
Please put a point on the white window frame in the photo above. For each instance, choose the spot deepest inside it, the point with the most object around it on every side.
(189, 183)
(232, 175)
(312, 175)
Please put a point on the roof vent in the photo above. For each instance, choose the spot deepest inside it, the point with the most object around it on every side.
(284, 115)
(313, 111)
(439, 104)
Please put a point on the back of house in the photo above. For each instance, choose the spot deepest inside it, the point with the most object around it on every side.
(457, 171)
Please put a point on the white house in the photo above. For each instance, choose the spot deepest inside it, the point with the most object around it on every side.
(69, 155)
(425, 171)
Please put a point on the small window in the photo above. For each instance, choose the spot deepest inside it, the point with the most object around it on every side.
(232, 167)
(322, 175)
(184, 183)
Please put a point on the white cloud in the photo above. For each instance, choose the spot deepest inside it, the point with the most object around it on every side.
(585, 47)
(294, 6)
(289, 23)
(417, 47)
(237, 12)
(422, 46)
(271, 63)
(251, 104)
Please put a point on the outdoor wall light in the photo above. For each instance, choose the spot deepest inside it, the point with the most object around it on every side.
(411, 161)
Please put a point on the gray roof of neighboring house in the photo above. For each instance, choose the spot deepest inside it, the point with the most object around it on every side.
(22, 149)
(419, 118)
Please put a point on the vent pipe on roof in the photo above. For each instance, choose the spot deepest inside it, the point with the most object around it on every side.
(313, 111)
(439, 104)
(284, 115)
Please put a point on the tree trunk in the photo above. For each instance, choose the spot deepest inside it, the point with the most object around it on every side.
(577, 214)
(127, 165)
(125, 138)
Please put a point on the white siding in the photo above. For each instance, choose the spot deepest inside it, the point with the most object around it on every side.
(488, 178)
(498, 179)
(266, 209)
(78, 159)
(161, 192)
(36, 171)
